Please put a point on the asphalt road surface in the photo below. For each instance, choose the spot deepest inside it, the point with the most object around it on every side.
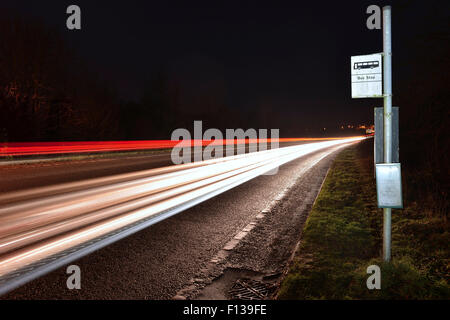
(31, 174)
(198, 253)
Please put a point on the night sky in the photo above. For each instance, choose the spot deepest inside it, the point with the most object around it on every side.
(294, 57)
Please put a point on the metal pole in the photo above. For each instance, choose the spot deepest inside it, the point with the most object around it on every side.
(387, 88)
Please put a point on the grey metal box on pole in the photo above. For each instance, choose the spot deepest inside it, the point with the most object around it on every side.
(378, 145)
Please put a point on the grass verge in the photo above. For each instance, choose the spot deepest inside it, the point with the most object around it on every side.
(342, 237)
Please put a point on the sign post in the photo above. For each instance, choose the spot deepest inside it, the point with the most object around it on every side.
(372, 78)
(387, 88)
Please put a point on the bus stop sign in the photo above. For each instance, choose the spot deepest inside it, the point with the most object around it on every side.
(367, 76)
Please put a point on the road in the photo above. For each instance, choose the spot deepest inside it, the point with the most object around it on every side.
(181, 256)
(31, 174)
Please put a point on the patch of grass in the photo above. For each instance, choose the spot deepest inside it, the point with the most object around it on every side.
(342, 237)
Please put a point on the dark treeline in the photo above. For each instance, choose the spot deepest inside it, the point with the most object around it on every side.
(48, 94)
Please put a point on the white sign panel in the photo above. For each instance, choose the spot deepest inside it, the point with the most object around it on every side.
(389, 185)
(367, 76)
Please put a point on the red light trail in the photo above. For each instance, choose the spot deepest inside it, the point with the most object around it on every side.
(45, 148)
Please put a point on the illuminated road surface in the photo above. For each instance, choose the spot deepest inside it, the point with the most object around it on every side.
(46, 222)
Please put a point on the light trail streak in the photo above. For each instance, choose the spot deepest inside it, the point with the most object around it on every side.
(46, 148)
(54, 219)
